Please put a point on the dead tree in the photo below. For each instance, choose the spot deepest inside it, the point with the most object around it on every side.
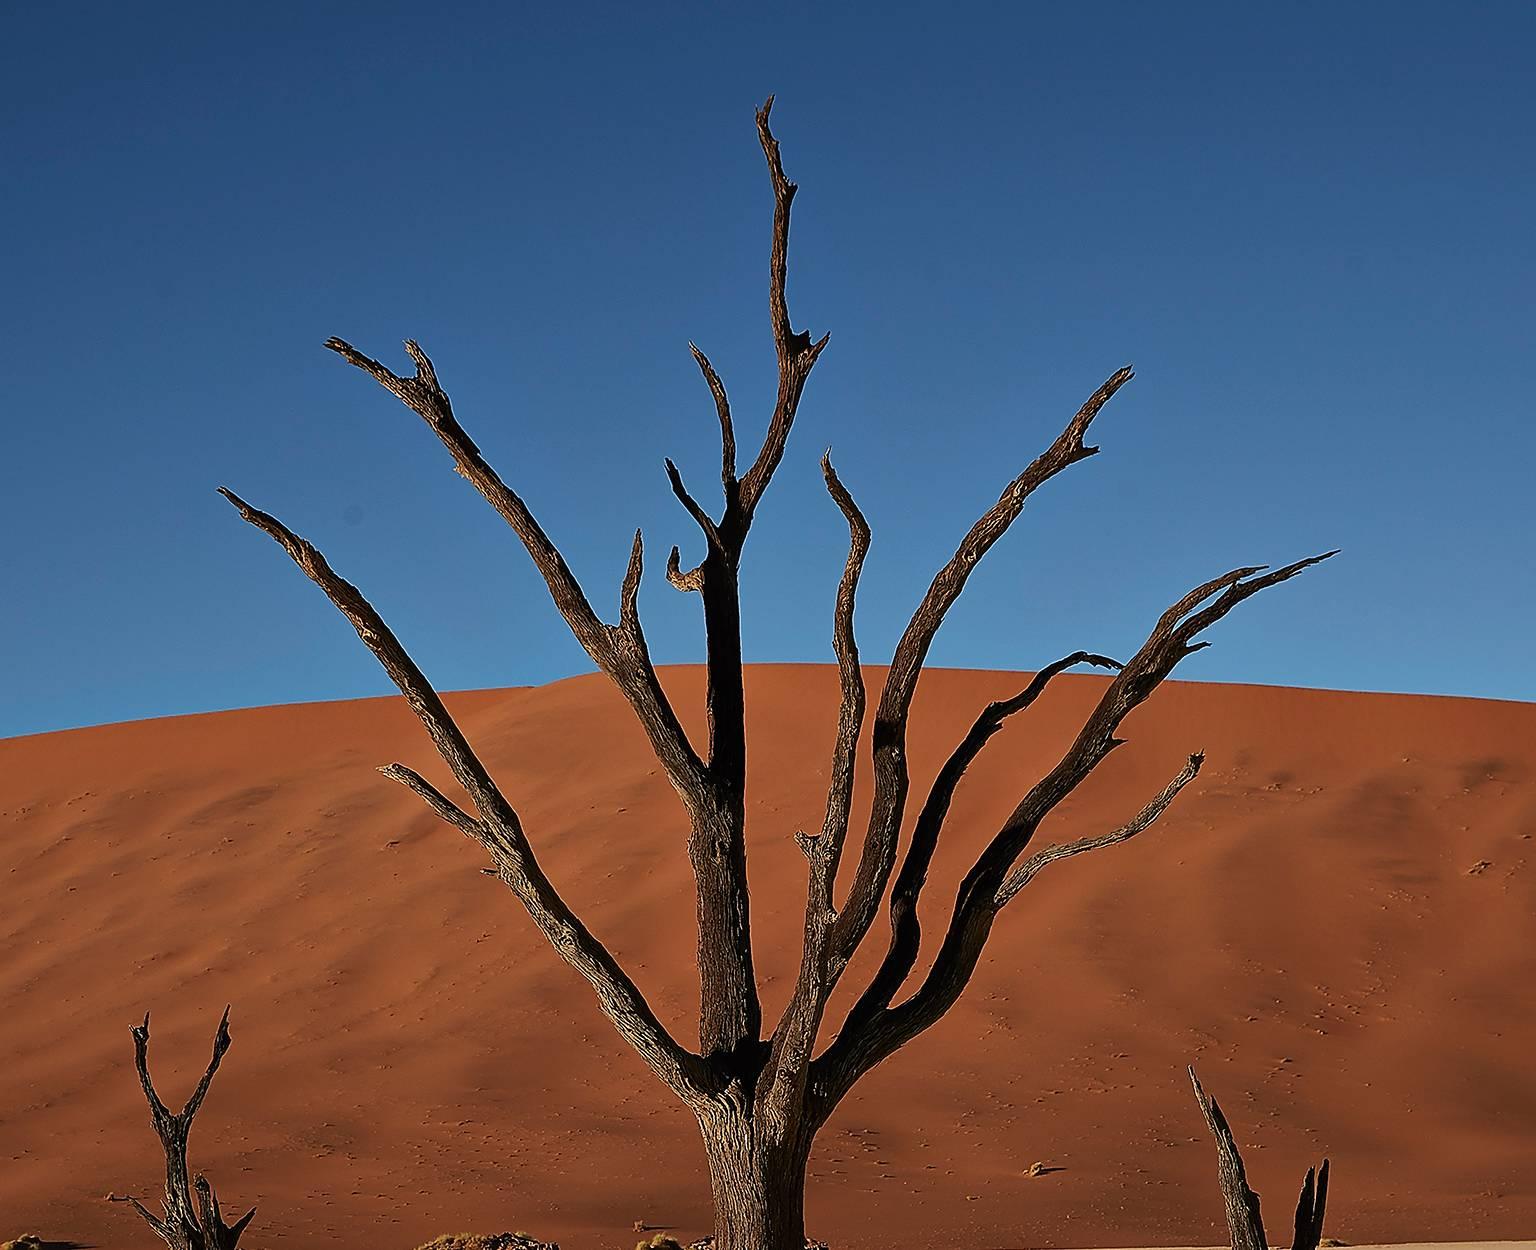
(186, 1226)
(1243, 1218)
(761, 1093)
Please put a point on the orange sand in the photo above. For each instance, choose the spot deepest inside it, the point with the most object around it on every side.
(409, 1059)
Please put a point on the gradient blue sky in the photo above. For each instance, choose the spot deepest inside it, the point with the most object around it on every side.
(1307, 225)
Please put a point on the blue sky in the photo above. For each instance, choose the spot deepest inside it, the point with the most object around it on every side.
(1307, 225)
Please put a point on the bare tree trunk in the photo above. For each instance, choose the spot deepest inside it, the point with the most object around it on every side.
(757, 1180)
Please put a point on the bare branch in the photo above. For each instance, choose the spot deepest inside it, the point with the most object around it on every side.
(149, 1218)
(1168, 644)
(865, 1042)
(158, 1111)
(727, 429)
(630, 670)
(1025, 872)
(1244, 1222)
(499, 830)
(890, 728)
(797, 354)
(796, 1033)
(220, 1048)
(705, 522)
(906, 928)
(850, 717)
(445, 807)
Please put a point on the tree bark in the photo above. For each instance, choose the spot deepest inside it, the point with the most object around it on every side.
(757, 1181)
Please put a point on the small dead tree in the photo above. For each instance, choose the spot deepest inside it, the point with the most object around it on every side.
(1243, 1218)
(186, 1226)
(760, 1094)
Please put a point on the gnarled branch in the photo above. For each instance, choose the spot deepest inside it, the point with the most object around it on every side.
(498, 830)
(446, 809)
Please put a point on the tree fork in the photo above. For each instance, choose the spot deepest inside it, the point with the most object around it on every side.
(188, 1223)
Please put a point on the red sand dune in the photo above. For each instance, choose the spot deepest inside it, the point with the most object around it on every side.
(1305, 925)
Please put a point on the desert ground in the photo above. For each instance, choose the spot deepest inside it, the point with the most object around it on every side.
(1336, 923)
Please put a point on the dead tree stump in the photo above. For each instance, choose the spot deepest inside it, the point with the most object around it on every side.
(1243, 1218)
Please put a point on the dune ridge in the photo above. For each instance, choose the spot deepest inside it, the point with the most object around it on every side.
(1336, 923)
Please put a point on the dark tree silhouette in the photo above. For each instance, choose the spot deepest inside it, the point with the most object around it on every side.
(760, 1093)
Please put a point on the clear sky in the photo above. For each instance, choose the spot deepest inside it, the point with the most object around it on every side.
(1309, 226)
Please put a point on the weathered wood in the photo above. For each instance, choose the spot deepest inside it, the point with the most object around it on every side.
(187, 1224)
(795, 1037)
(1243, 1218)
(1310, 1208)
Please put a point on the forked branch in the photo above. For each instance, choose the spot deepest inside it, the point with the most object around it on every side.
(187, 1224)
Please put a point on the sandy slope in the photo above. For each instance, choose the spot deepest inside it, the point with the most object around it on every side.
(408, 1059)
